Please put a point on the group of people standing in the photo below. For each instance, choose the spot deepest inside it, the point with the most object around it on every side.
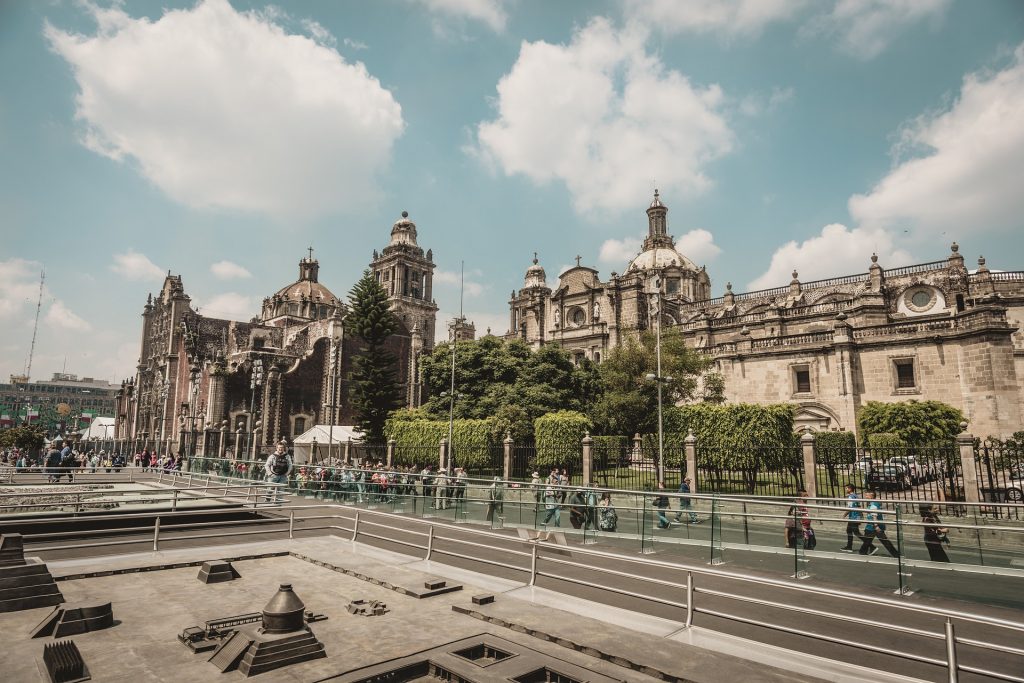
(588, 510)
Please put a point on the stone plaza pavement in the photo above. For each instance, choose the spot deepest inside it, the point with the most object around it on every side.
(153, 604)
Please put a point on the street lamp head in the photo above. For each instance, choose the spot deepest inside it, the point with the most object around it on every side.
(667, 378)
(650, 377)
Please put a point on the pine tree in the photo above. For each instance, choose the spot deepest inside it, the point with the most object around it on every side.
(372, 385)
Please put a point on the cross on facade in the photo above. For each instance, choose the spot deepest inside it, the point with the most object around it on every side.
(578, 261)
(310, 249)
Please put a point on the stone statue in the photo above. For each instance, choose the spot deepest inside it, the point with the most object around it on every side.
(597, 310)
(558, 317)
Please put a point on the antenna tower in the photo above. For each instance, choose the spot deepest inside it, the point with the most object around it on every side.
(35, 327)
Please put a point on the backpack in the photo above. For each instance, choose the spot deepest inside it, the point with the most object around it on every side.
(280, 466)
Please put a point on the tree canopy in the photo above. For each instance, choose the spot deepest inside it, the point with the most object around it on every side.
(914, 422)
(629, 404)
(505, 380)
(372, 384)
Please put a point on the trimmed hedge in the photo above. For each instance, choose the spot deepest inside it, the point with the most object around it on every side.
(559, 438)
(471, 439)
(918, 423)
(836, 448)
(887, 444)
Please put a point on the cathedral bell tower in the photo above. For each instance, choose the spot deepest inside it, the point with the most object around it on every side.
(657, 225)
(407, 275)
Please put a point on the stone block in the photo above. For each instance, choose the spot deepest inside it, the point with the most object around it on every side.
(433, 584)
(63, 663)
(483, 599)
(217, 571)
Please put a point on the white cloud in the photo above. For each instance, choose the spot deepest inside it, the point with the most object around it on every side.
(489, 12)
(135, 266)
(757, 104)
(222, 109)
(228, 270)
(698, 246)
(19, 286)
(319, 33)
(838, 250)
(969, 176)
(727, 18)
(452, 278)
(354, 44)
(867, 27)
(619, 252)
(62, 317)
(229, 306)
(606, 118)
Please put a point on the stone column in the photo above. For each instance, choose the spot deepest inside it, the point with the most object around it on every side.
(810, 465)
(690, 444)
(972, 488)
(507, 461)
(391, 452)
(215, 396)
(588, 459)
(223, 439)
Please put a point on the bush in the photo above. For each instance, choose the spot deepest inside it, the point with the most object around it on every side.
(916, 423)
(471, 439)
(887, 445)
(836, 448)
(559, 437)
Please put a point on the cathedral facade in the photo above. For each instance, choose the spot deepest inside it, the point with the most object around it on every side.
(929, 331)
(285, 370)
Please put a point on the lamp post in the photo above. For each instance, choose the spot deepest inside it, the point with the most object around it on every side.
(162, 391)
(255, 381)
(658, 377)
(336, 335)
(451, 396)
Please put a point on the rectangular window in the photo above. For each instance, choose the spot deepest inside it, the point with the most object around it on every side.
(300, 426)
(672, 285)
(802, 377)
(905, 374)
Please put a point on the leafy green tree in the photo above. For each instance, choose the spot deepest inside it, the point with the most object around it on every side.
(506, 380)
(372, 384)
(26, 437)
(915, 423)
(629, 403)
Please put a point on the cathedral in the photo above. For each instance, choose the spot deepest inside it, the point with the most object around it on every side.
(928, 331)
(284, 370)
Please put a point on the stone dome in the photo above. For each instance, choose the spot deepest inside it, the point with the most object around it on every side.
(660, 257)
(306, 289)
(535, 275)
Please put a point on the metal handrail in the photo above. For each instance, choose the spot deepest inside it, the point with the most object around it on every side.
(691, 606)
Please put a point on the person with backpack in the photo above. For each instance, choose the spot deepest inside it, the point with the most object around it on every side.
(278, 466)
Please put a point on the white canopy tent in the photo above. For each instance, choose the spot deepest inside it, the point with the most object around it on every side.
(328, 440)
(101, 428)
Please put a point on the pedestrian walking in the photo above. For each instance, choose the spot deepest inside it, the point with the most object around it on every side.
(853, 517)
(577, 509)
(278, 466)
(935, 535)
(608, 518)
(552, 506)
(441, 490)
(660, 505)
(685, 505)
(875, 528)
(538, 488)
(495, 499)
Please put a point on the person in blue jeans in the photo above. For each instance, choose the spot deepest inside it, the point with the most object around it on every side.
(551, 505)
(685, 505)
(853, 515)
(660, 505)
(875, 528)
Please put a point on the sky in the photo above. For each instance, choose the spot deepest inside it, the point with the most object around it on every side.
(219, 139)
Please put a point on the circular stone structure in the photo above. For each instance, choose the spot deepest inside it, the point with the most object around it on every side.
(284, 612)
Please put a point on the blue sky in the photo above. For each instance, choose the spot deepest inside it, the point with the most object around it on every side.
(220, 140)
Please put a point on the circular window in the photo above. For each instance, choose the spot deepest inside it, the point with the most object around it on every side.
(921, 299)
(579, 317)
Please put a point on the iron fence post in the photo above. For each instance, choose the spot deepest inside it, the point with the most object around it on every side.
(533, 565)
(156, 534)
(291, 524)
(174, 500)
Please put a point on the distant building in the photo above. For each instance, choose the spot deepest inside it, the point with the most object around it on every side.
(60, 405)
(288, 368)
(928, 331)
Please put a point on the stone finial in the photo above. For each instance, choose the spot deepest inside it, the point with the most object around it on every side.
(981, 265)
(728, 286)
(795, 276)
(534, 258)
(874, 257)
(405, 214)
(955, 248)
(745, 331)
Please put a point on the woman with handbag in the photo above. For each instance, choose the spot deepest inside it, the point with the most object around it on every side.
(934, 534)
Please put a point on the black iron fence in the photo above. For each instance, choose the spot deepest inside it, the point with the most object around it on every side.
(999, 467)
(751, 470)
